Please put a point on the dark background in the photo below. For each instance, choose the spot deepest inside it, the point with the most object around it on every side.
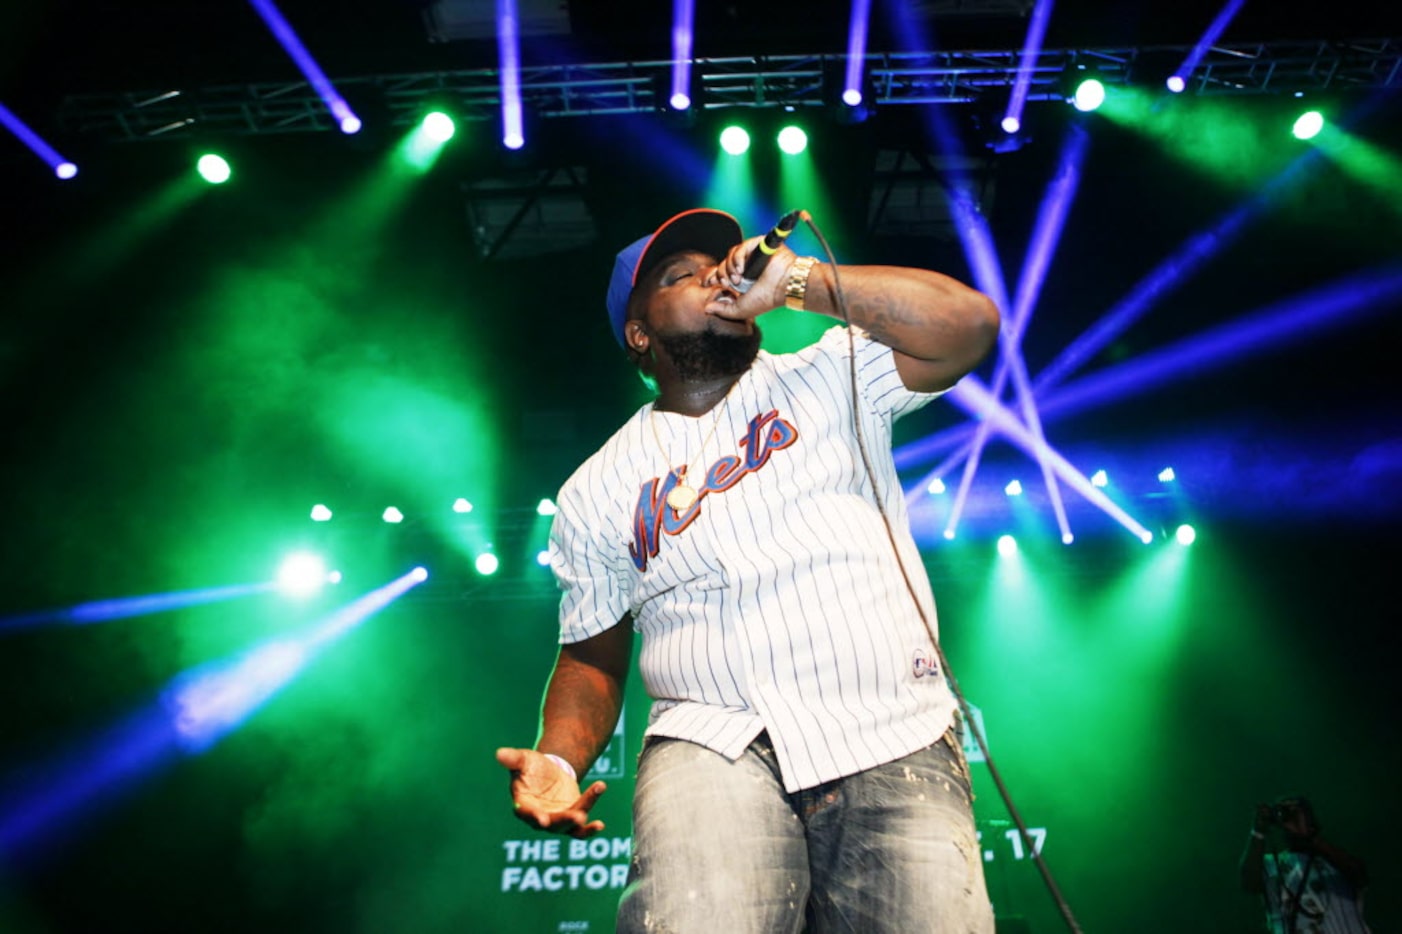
(176, 394)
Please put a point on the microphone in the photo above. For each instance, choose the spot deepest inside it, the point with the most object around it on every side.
(754, 266)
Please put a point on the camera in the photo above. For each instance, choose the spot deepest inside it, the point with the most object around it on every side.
(1289, 809)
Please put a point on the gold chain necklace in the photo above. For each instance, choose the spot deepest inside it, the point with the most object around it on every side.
(683, 496)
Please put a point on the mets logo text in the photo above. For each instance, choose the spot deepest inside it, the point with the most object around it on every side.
(766, 434)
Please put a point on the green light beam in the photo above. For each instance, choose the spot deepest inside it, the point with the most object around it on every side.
(1216, 136)
(1364, 161)
(800, 187)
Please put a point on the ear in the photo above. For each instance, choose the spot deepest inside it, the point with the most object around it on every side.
(635, 336)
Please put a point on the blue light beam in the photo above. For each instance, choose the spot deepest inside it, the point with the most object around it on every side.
(513, 126)
(61, 166)
(197, 709)
(1209, 38)
(1167, 276)
(101, 611)
(856, 52)
(1299, 318)
(1027, 63)
(683, 18)
(973, 396)
(209, 702)
(287, 38)
(1348, 301)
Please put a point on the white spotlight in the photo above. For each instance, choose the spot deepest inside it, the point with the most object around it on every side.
(301, 574)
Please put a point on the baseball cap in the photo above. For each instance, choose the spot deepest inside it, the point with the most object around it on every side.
(703, 229)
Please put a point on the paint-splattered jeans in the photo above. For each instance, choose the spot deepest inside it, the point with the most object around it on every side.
(719, 846)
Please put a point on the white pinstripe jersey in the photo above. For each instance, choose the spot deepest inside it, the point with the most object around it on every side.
(775, 602)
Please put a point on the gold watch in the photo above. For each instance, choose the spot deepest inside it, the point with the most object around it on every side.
(798, 282)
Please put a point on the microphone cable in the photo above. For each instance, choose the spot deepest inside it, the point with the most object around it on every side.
(1031, 844)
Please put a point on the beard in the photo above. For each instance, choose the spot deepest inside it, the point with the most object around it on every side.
(706, 355)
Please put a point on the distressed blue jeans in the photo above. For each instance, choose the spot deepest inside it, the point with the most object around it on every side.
(719, 846)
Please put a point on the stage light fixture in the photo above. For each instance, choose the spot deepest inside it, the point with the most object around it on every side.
(320, 513)
(1186, 534)
(1007, 546)
(1167, 475)
(439, 127)
(486, 564)
(849, 96)
(461, 505)
(1082, 86)
(1089, 95)
(1014, 488)
(995, 128)
(546, 507)
(735, 140)
(1308, 125)
(1177, 81)
(513, 111)
(1100, 478)
(419, 574)
(681, 76)
(677, 93)
(282, 31)
(936, 487)
(854, 74)
(392, 515)
(301, 574)
(61, 166)
(792, 140)
(1031, 49)
(542, 557)
(213, 168)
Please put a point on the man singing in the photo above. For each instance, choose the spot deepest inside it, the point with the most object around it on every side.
(801, 768)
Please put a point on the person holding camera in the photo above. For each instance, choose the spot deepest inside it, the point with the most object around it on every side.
(1307, 884)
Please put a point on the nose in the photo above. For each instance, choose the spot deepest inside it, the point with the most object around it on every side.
(712, 277)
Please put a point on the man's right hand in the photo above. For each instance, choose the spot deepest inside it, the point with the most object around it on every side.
(546, 797)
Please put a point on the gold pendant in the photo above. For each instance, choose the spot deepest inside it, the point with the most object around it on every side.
(681, 497)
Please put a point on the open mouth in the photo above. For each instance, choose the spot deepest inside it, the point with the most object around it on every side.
(722, 305)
